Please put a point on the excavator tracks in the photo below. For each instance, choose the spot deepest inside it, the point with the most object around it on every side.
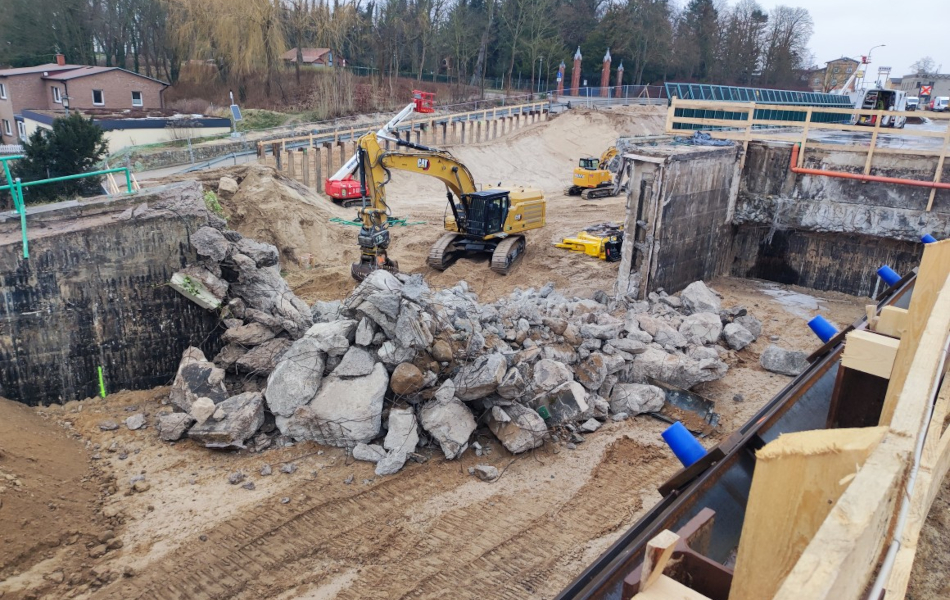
(441, 255)
(594, 193)
(507, 254)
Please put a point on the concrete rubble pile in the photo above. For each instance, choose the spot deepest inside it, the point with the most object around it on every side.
(397, 366)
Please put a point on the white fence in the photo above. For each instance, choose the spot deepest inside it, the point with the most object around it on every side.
(11, 149)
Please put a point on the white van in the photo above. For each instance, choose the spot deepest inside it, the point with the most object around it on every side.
(941, 103)
(913, 102)
(880, 99)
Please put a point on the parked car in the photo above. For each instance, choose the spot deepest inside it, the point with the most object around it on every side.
(941, 104)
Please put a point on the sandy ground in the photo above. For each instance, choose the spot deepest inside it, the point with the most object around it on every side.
(429, 529)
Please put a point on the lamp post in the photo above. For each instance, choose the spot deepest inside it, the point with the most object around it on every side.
(540, 60)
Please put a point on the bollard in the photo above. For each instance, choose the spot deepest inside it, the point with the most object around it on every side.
(686, 448)
(927, 238)
(888, 274)
(822, 328)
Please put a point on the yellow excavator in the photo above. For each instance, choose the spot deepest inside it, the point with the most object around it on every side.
(593, 179)
(492, 220)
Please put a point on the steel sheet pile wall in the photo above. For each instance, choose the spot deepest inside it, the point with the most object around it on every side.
(93, 294)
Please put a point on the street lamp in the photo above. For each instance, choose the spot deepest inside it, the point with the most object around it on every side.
(540, 60)
(867, 61)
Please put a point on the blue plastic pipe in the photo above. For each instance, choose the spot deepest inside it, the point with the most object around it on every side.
(686, 448)
(888, 274)
(927, 238)
(822, 328)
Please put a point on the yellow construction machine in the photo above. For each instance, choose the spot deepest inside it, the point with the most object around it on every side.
(603, 247)
(593, 178)
(492, 220)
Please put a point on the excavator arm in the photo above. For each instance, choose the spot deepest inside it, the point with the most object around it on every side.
(376, 163)
(607, 156)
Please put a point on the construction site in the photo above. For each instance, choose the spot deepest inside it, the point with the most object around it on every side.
(683, 350)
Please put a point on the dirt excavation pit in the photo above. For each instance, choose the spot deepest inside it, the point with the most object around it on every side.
(304, 520)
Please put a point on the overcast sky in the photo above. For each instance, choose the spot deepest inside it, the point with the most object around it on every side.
(910, 29)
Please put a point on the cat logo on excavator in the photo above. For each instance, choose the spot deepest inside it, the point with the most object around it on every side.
(423, 163)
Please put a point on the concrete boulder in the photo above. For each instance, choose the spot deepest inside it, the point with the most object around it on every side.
(635, 398)
(173, 426)
(243, 416)
(737, 336)
(752, 325)
(265, 290)
(699, 298)
(403, 433)
(628, 345)
(392, 463)
(411, 330)
(344, 412)
(481, 377)
(357, 362)
(262, 360)
(227, 187)
(661, 332)
(701, 328)
(196, 378)
(450, 423)
(263, 255)
(517, 427)
(512, 385)
(368, 453)
(675, 369)
(782, 361)
(601, 332)
(210, 243)
(365, 332)
(567, 403)
(592, 372)
(549, 374)
(334, 337)
(296, 378)
(324, 312)
(250, 334)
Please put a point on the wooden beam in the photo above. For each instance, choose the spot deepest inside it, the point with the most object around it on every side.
(843, 555)
(934, 463)
(658, 553)
(798, 479)
(669, 589)
(892, 321)
(869, 352)
(931, 279)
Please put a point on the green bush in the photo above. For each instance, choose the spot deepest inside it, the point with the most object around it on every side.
(74, 145)
(260, 119)
(212, 204)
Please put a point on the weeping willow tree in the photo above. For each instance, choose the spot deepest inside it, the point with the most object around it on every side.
(243, 38)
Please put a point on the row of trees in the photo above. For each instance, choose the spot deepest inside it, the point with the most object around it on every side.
(464, 40)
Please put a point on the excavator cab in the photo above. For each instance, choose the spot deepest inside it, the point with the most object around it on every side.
(487, 212)
(589, 164)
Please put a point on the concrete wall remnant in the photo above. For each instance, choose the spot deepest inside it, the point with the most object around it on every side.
(93, 293)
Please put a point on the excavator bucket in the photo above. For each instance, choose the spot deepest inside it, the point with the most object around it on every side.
(367, 264)
(604, 248)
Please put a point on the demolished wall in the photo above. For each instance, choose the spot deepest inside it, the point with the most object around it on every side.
(93, 293)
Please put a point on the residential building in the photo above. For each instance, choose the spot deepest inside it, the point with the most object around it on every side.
(315, 57)
(833, 75)
(58, 86)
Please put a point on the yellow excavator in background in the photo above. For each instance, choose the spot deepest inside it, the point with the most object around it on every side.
(492, 220)
(593, 179)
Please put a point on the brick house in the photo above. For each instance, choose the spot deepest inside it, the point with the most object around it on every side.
(56, 86)
(834, 75)
(315, 57)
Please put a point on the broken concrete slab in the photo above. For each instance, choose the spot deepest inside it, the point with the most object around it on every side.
(344, 412)
(752, 325)
(785, 362)
(567, 403)
(334, 337)
(699, 298)
(512, 385)
(549, 374)
(365, 332)
(210, 243)
(250, 334)
(737, 336)
(563, 353)
(262, 360)
(675, 369)
(263, 255)
(196, 378)
(517, 427)
(486, 472)
(200, 286)
(324, 312)
(244, 415)
(635, 398)
(481, 377)
(368, 452)
(357, 362)
(450, 423)
(392, 463)
(296, 378)
(173, 426)
(701, 328)
(403, 433)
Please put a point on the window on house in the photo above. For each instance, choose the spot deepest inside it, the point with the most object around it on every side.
(6, 127)
(836, 69)
(834, 81)
(57, 95)
(850, 69)
(97, 98)
(136, 98)
(817, 79)
(3, 91)
(21, 129)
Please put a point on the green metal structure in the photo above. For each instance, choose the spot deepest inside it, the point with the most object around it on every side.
(727, 93)
(15, 186)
